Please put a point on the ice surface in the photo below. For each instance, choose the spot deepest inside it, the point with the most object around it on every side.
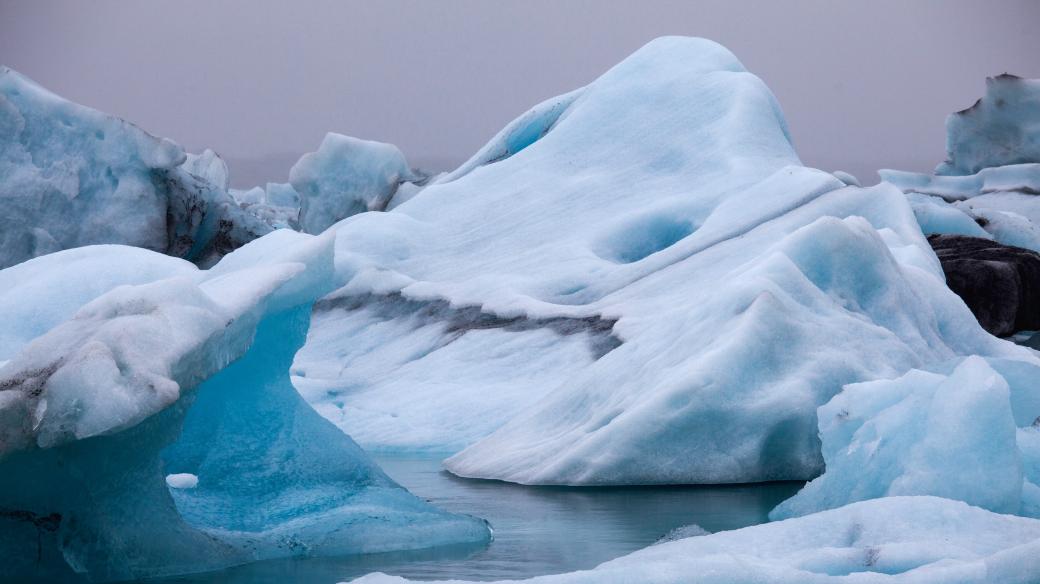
(344, 177)
(1002, 128)
(185, 375)
(923, 540)
(37, 295)
(665, 195)
(952, 434)
(396, 374)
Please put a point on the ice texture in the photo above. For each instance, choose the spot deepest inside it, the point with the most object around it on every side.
(187, 375)
(919, 540)
(344, 177)
(1000, 129)
(746, 288)
(952, 434)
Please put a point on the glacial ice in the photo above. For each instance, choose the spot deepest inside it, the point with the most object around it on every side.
(1000, 129)
(919, 540)
(665, 196)
(187, 375)
(951, 433)
(71, 176)
(344, 177)
(992, 172)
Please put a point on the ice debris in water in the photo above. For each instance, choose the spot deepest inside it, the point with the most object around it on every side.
(924, 540)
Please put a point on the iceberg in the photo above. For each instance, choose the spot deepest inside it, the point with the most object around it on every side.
(742, 289)
(155, 430)
(925, 540)
(952, 433)
(344, 177)
(991, 174)
(71, 176)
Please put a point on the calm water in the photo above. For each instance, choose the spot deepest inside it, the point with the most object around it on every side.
(538, 530)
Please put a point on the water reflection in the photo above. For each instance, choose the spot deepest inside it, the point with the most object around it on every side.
(538, 530)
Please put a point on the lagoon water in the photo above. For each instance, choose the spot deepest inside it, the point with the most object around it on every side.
(538, 530)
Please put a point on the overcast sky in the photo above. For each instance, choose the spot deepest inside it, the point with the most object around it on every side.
(864, 85)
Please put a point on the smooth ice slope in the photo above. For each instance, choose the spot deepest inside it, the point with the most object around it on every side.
(952, 434)
(747, 288)
(344, 177)
(896, 540)
(188, 375)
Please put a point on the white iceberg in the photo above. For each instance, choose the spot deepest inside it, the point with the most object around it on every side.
(665, 196)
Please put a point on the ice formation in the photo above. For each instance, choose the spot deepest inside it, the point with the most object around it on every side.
(991, 175)
(923, 540)
(959, 433)
(183, 375)
(344, 177)
(71, 176)
(1001, 129)
(665, 196)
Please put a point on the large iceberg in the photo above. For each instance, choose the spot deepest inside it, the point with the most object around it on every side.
(965, 431)
(185, 375)
(664, 198)
(920, 540)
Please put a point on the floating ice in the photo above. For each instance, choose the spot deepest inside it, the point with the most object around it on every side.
(924, 540)
(1001, 129)
(344, 177)
(665, 195)
(992, 171)
(952, 434)
(187, 375)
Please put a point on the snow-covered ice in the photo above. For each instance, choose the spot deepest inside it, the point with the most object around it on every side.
(895, 540)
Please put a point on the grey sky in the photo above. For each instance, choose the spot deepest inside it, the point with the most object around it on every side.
(864, 85)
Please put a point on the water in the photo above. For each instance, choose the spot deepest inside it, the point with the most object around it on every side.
(538, 530)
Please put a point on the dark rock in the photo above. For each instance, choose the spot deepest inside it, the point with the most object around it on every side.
(999, 283)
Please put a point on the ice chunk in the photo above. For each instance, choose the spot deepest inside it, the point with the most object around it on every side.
(344, 177)
(950, 435)
(924, 540)
(70, 176)
(182, 480)
(1002, 128)
(189, 375)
